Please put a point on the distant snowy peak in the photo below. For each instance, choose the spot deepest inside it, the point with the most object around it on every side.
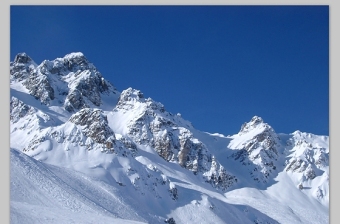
(22, 58)
(258, 147)
(72, 62)
(72, 81)
(307, 161)
(309, 154)
(77, 61)
(254, 131)
(255, 123)
(307, 150)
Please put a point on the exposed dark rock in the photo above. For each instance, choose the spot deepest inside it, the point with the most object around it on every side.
(76, 61)
(162, 146)
(91, 86)
(94, 125)
(74, 101)
(171, 142)
(22, 67)
(39, 87)
(170, 221)
(173, 193)
(184, 151)
(44, 81)
(34, 144)
(18, 109)
(22, 58)
(309, 173)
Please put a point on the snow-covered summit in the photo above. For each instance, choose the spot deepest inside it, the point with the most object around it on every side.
(77, 61)
(21, 67)
(22, 58)
(257, 146)
(74, 55)
(255, 123)
(71, 82)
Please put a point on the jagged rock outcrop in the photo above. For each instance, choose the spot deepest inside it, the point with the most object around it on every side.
(75, 101)
(39, 86)
(26, 70)
(76, 62)
(95, 126)
(18, 109)
(22, 67)
(23, 116)
(88, 84)
(71, 81)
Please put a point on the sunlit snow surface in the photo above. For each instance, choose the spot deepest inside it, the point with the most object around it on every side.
(56, 177)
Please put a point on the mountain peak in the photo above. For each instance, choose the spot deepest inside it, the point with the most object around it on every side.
(255, 122)
(129, 97)
(77, 61)
(71, 81)
(130, 94)
(74, 55)
(22, 58)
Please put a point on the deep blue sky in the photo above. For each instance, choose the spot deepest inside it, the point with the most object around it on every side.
(216, 65)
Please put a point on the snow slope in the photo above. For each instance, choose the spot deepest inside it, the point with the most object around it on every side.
(83, 152)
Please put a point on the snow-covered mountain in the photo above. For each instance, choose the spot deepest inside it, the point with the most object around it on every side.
(83, 152)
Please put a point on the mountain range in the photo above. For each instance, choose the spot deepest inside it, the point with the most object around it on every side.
(82, 151)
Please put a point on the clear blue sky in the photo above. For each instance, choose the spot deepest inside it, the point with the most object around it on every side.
(216, 65)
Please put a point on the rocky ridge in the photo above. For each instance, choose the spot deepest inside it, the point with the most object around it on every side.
(74, 86)
(171, 138)
(77, 84)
